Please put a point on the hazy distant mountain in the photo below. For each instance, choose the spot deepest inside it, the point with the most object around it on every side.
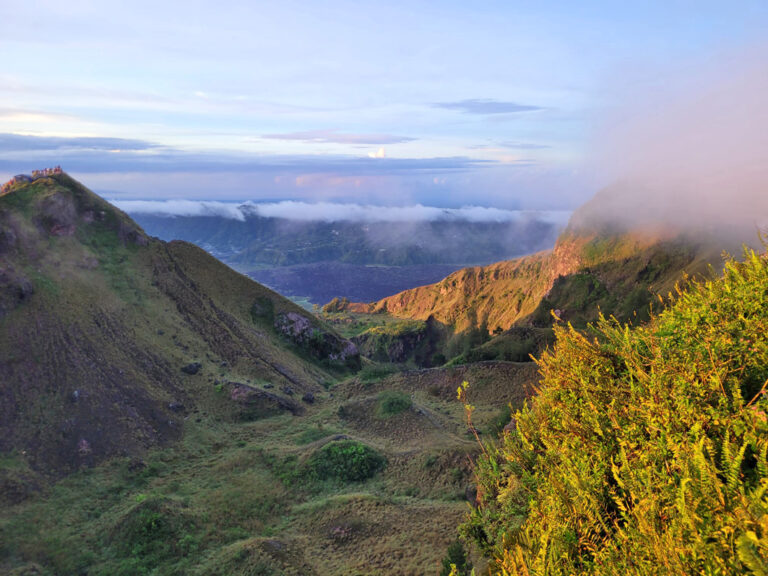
(256, 241)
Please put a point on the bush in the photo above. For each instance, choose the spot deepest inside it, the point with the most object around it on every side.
(646, 451)
(153, 532)
(392, 402)
(346, 461)
(455, 562)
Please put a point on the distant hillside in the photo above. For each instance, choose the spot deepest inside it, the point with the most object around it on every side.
(109, 339)
(594, 266)
(257, 241)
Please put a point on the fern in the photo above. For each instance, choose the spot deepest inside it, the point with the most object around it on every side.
(640, 455)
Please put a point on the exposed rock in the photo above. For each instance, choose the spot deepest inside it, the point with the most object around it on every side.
(288, 390)
(257, 403)
(175, 406)
(58, 215)
(15, 289)
(340, 533)
(192, 368)
(309, 398)
(7, 239)
(84, 447)
(88, 263)
(62, 230)
(136, 464)
(321, 344)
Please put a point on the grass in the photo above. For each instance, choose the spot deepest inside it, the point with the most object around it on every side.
(216, 499)
(374, 372)
(351, 324)
(392, 402)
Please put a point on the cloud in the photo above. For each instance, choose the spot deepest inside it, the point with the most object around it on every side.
(231, 210)
(337, 212)
(689, 149)
(117, 155)
(336, 137)
(509, 145)
(137, 169)
(486, 106)
(25, 143)
(522, 145)
(378, 154)
(17, 115)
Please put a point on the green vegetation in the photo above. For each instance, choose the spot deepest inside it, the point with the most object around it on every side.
(645, 452)
(346, 461)
(392, 402)
(455, 562)
(375, 372)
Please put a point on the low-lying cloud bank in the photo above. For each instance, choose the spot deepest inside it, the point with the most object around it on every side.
(336, 212)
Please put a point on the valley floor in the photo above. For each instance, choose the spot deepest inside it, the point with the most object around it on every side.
(238, 497)
(324, 281)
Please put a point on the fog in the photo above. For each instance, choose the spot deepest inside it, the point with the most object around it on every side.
(688, 147)
(336, 212)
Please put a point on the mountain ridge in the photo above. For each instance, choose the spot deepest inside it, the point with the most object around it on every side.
(620, 269)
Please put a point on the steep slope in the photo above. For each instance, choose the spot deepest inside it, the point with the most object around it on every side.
(109, 339)
(495, 295)
(593, 266)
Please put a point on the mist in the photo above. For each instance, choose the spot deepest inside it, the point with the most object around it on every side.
(688, 147)
(336, 212)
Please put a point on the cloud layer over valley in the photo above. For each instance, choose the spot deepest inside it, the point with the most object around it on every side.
(337, 212)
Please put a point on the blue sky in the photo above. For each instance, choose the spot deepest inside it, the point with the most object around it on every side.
(439, 103)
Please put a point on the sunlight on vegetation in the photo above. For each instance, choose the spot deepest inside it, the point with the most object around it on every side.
(646, 450)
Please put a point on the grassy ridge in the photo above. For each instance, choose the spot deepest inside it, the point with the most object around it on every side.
(98, 320)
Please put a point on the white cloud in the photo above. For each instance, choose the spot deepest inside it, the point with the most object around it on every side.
(229, 210)
(335, 212)
(378, 154)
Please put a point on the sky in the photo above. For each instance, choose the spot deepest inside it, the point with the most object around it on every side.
(446, 104)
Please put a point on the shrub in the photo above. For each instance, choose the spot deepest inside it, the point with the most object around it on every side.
(153, 532)
(646, 451)
(346, 461)
(392, 402)
(455, 562)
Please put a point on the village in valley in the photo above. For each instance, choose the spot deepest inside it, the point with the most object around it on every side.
(36, 174)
